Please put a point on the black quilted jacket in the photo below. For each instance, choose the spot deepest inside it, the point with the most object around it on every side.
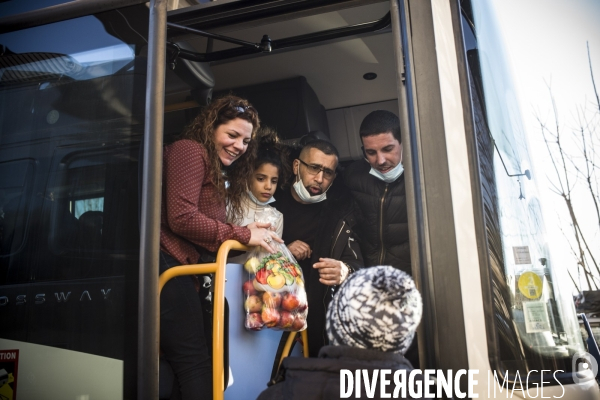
(382, 219)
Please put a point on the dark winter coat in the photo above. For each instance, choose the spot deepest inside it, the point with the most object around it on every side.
(319, 378)
(335, 239)
(382, 218)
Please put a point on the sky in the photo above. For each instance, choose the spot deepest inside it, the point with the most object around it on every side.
(546, 44)
(546, 40)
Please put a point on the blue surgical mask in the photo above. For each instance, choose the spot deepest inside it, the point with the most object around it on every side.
(305, 195)
(389, 176)
(256, 201)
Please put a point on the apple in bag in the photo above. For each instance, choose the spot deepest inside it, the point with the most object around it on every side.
(290, 301)
(270, 316)
(248, 288)
(286, 319)
(253, 304)
(254, 321)
(299, 323)
(271, 299)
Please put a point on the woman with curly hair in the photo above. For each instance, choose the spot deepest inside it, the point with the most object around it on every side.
(207, 168)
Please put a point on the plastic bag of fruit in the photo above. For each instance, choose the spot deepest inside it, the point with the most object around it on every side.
(274, 291)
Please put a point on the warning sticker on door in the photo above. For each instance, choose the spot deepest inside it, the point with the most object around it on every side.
(9, 363)
(522, 255)
(536, 316)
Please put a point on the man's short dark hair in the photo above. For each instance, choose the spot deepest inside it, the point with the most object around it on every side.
(321, 145)
(380, 121)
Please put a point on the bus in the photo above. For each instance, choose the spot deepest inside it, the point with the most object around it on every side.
(91, 90)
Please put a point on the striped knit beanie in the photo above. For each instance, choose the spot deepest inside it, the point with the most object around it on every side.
(375, 308)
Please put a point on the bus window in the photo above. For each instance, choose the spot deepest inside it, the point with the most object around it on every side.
(79, 207)
(534, 323)
(15, 188)
(72, 99)
(16, 7)
(94, 203)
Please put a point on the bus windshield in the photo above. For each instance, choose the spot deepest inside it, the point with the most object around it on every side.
(535, 324)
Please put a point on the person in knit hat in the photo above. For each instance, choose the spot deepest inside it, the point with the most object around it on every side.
(371, 322)
(377, 308)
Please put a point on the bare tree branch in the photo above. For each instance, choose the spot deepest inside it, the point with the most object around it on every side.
(592, 75)
(569, 169)
(573, 280)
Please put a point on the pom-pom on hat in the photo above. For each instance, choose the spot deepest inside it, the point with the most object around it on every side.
(375, 308)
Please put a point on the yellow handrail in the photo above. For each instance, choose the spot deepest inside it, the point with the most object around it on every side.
(218, 268)
(288, 346)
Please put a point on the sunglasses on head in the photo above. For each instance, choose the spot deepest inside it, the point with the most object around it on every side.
(242, 109)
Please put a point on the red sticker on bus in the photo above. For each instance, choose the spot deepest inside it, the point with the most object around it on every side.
(9, 363)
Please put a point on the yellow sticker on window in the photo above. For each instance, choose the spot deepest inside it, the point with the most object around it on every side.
(530, 285)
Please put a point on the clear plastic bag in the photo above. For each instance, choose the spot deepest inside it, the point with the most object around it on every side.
(274, 291)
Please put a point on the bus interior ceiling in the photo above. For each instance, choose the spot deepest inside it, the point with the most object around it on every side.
(333, 71)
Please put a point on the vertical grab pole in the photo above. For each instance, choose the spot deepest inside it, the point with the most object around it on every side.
(148, 306)
(218, 268)
(219, 320)
(219, 316)
(409, 126)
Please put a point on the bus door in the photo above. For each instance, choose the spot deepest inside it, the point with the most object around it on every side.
(472, 239)
(72, 111)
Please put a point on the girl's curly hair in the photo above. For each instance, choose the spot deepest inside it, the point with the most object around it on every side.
(269, 151)
(202, 130)
(272, 151)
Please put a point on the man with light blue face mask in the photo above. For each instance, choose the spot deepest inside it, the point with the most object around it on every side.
(319, 217)
(378, 189)
(377, 185)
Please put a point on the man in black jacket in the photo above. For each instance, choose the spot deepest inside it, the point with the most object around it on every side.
(378, 188)
(377, 185)
(318, 220)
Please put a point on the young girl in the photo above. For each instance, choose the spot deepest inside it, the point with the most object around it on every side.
(270, 168)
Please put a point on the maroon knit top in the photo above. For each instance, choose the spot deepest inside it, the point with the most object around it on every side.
(192, 214)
